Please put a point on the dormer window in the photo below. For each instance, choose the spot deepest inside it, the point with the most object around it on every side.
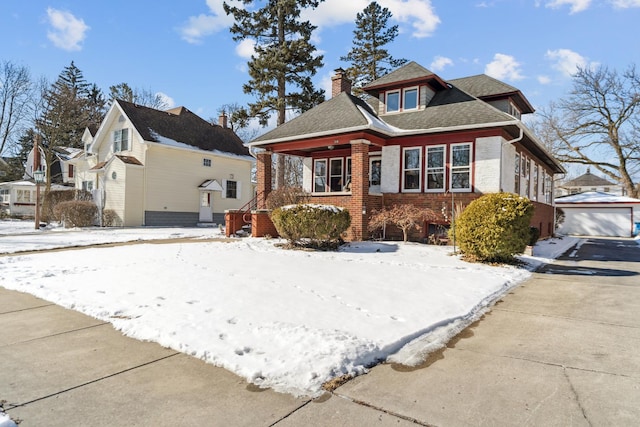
(410, 98)
(514, 111)
(393, 101)
(120, 140)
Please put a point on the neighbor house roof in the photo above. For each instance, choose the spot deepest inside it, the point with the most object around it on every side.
(587, 180)
(181, 126)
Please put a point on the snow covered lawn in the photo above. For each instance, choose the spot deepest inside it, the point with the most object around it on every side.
(289, 320)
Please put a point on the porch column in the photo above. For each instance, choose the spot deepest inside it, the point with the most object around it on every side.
(359, 189)
(263, 176)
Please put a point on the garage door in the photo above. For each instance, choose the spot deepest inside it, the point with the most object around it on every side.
(597, 222)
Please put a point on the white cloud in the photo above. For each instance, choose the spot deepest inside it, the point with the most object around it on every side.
(439, 63)
(420, 14)
(167, 99)
(544, 80)
(624, 4)
(198, 27)
(504, 67)
(246, 48)
(567, 61)
(68, 31)
(576, 5)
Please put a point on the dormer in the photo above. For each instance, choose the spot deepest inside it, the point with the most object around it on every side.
(500, 95)
(409, 88)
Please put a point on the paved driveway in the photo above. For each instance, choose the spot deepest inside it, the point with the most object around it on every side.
(562, 349)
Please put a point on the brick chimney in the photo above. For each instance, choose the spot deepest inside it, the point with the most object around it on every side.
(222, 120)
(340, 83)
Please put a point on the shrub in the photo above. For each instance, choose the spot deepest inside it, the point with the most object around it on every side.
(110, 218)
(405, 217)
(559, 217)
(534, 235)
(76, 213)
(55, 197)
(494, 227)
(286, 196)
(316, 226)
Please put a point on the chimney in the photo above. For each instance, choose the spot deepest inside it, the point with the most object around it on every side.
(340, 83)
(222, 120)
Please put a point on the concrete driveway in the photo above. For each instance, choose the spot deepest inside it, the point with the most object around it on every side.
(562, 349)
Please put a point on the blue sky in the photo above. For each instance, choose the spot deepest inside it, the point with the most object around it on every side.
(183, 49)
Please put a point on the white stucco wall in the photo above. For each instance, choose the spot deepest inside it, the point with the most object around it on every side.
(307, 174)
(390, 180)
(487, 164)
(508, 167)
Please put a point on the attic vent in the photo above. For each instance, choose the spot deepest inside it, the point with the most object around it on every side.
(121, 118)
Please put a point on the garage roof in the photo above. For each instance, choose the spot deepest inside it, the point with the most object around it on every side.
(591, 197)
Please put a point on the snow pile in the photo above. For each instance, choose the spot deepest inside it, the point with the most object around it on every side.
(5, 421)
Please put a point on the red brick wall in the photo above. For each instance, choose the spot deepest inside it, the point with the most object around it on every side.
(543, 219)
(263, 176)
(234, 220)
(261, 224)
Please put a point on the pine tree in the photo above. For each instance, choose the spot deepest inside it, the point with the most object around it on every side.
(284, 61)
(368, 57)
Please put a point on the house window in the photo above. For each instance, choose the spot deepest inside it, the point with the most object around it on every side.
(393, 101)
(526, 175)
(206, 199)
(460, 167)
(24, 196)
(410, 99)
(514, 111)
(4, 195)
(435, 168)
(87, 185)
(231, 191)
(375, 171)
(412, 159)
(536, 182)
(335, 176)
(516, 187)
(320, 176)
(347, 179)
(206, 162)
(120, 140)
(70, 171)
(606, 189)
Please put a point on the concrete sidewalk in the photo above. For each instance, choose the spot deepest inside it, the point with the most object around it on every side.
(562, 349)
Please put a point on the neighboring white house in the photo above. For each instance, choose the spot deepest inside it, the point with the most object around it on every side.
(62, 168)
(588, 182)
(599, 214)
(160, 168)
(18, 198)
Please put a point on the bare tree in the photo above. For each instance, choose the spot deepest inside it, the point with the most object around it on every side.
(144, 97)
(598, 124)
(15, 90)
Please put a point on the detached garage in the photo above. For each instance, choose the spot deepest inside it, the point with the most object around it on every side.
(598, 214)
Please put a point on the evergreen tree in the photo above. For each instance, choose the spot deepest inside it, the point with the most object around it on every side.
(368, 57)
(96, 105)
(284, 61)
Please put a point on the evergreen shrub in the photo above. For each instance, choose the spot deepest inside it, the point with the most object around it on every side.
(494, 227)
(308, 225)
(76, 213)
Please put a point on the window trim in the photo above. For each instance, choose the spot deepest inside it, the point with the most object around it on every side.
(377, 158)
(117, 143)
(348, 173)
(331, 176)
(386, 100)
(444, 169)
(453, 168)
(226, 189)
(316, 176)
(404, 170)
(404, 98)
(206, 162)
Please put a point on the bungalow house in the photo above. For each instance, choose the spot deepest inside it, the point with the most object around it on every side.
(160, 168)
(417, 139)
(18, 198)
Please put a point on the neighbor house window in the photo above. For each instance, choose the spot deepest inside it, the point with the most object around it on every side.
(87, 185)
(460, 167)
(320, 176)
(411, 161)
(516, 187)
(231, 191)
(4, 195)
(120, 140)
(24, 196)
(206, 162)
(393, 101)
(410, 99)
(375, 171)
(70, 171)
(435, 168)
(335, 175)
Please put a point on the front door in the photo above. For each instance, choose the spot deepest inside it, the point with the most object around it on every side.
(206, 209)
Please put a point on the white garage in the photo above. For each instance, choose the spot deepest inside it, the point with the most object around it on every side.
(598, 214)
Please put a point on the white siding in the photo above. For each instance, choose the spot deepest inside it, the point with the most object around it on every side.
(597, 221)
(390, 169)
(426, 95)
(307, 174)
(487, 164)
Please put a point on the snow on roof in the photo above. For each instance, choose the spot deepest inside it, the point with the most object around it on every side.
(595, 197)
(173, 143)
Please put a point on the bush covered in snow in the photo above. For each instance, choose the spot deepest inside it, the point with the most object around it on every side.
(318, 226)
(76, 213)
(494, 227)
(287, 196)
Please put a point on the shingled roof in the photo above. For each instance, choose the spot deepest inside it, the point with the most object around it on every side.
(182, 126)
(587, 180)
(410, 72)
(487, 88)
